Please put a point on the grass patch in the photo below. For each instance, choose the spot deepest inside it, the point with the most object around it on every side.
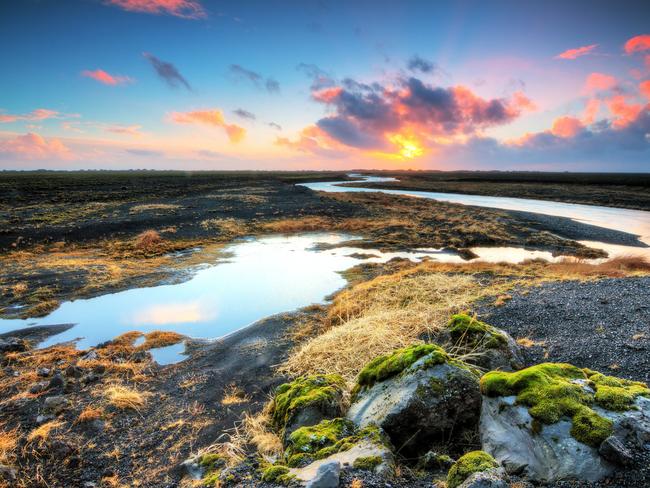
(233, 395)
(8, 442)
(89, 414)
(42, 433)
(124, 398)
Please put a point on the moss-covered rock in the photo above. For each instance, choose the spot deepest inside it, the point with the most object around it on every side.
(277, 473)
(306, 401)
(468, 464)
(471, 332)
(388, 365)
(319, 441)
(552, 391)
(367, 463)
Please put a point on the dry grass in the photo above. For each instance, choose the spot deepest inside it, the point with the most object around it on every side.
(257, 430)
(233, 395)
(159, 338)
(124, 398)
(8, 443)
(528, 342)
(228, 228)
(153, 207)
(147, 241)
(19, 289)
(41, 434)
(356, 483)
(89, 414)
(380, 315)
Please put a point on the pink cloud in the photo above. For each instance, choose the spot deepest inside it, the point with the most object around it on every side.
(599, 81)
(38, 114)
(624, 112)
(34, 146)
(212, 118)
(130, 130)
(566, 127)
(644, 87)
(591, 111)
(107, 79)
(186, 9)
(637, 44)
(576, 52)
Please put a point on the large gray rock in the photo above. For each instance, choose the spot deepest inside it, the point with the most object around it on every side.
(508, 434)
(327, 475)
(421, 405)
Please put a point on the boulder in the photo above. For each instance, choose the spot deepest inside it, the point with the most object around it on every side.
(485, 346)
(492, 478)
(55, 404)
(555, 421)
(306, 401)
(327, 475)
(418, 395)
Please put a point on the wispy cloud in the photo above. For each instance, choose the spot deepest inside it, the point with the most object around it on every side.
(239, 73)
(275, 126)
(576, 52)
(129, 130)
(637, 44)
(106, 78)
(186, 9)
(598, 82)
(416, 63)
(167, 72)
(38, 114)
(212, 118)
(244, 114)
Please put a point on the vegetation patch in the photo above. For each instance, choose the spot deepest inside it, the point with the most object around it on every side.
(368, 463)
(308, 444)
(320, 391)
(277, 473)
(470, 463)
(469, 332)
(555, 390)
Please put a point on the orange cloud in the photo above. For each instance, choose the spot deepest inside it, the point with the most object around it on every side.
(624, 112)
(576, 52)
(566, 127)
(38, 114)
(130, 130)
(644, 87)
(523, 102)
(186, 9)
(106, 78)
(212, 118)
(34, 146)
(591, 110)
(637, 44)
(327, 95)
(599, 81)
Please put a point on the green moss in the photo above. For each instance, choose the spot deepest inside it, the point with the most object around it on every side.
(211, 461)
(212, 478)
(469, 332)
(315, 390)
(319, 441)
(368, 463)
(277, 473)
(555, 390)
(470, 463)
(389, 365)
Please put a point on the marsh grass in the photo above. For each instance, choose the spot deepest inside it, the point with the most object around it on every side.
(124, 398)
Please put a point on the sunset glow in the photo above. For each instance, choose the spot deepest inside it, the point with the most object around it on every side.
(198, 84)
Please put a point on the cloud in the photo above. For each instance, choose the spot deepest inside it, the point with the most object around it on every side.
(644, 88)
(637, 44)
(130, 130)
(238, 72)
(167, 72)
(275, 126)
(314, 140)
(244, 114)
(186, 9)
(320, 78)
(598, 82)
(145, 152)
(576, 52)
(38, 114)
(566, 127)
(212, 118)
(34, 146)
(417, 63)
(107, 79)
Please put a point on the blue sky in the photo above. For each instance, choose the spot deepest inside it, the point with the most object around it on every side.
(57, 109)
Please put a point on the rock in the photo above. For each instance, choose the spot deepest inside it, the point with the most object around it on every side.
(57, 382)
(73, 371)
(55, 404)
(13, 344)
(327, 475)
(306, 401)
(492, 478)
(41, 419)
(90, 356)
(7, 473)
(614, 451)
(43, 372)
(192, 468)
(427, 398)
(432, 461)
(90, 378)
(39, 387)
(486, 346)
(556, 421)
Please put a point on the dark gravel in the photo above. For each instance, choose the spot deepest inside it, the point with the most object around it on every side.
(603, 325)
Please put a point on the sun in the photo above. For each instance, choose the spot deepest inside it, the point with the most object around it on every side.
(409, 146)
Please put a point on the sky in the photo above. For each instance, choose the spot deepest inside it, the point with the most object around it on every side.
(201, 84)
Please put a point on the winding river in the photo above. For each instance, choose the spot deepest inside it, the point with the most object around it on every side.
(257, 278)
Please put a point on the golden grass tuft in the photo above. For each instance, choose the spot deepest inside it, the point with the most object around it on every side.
(229, 227)
(41, 434)
(257, 430)
(160, 338)
(8, 443)
(233, 395)
(124, 398)
(528, 342)
(19, 289)
(356, 483)
(148, 207)
(89, 414)
(147, 241)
